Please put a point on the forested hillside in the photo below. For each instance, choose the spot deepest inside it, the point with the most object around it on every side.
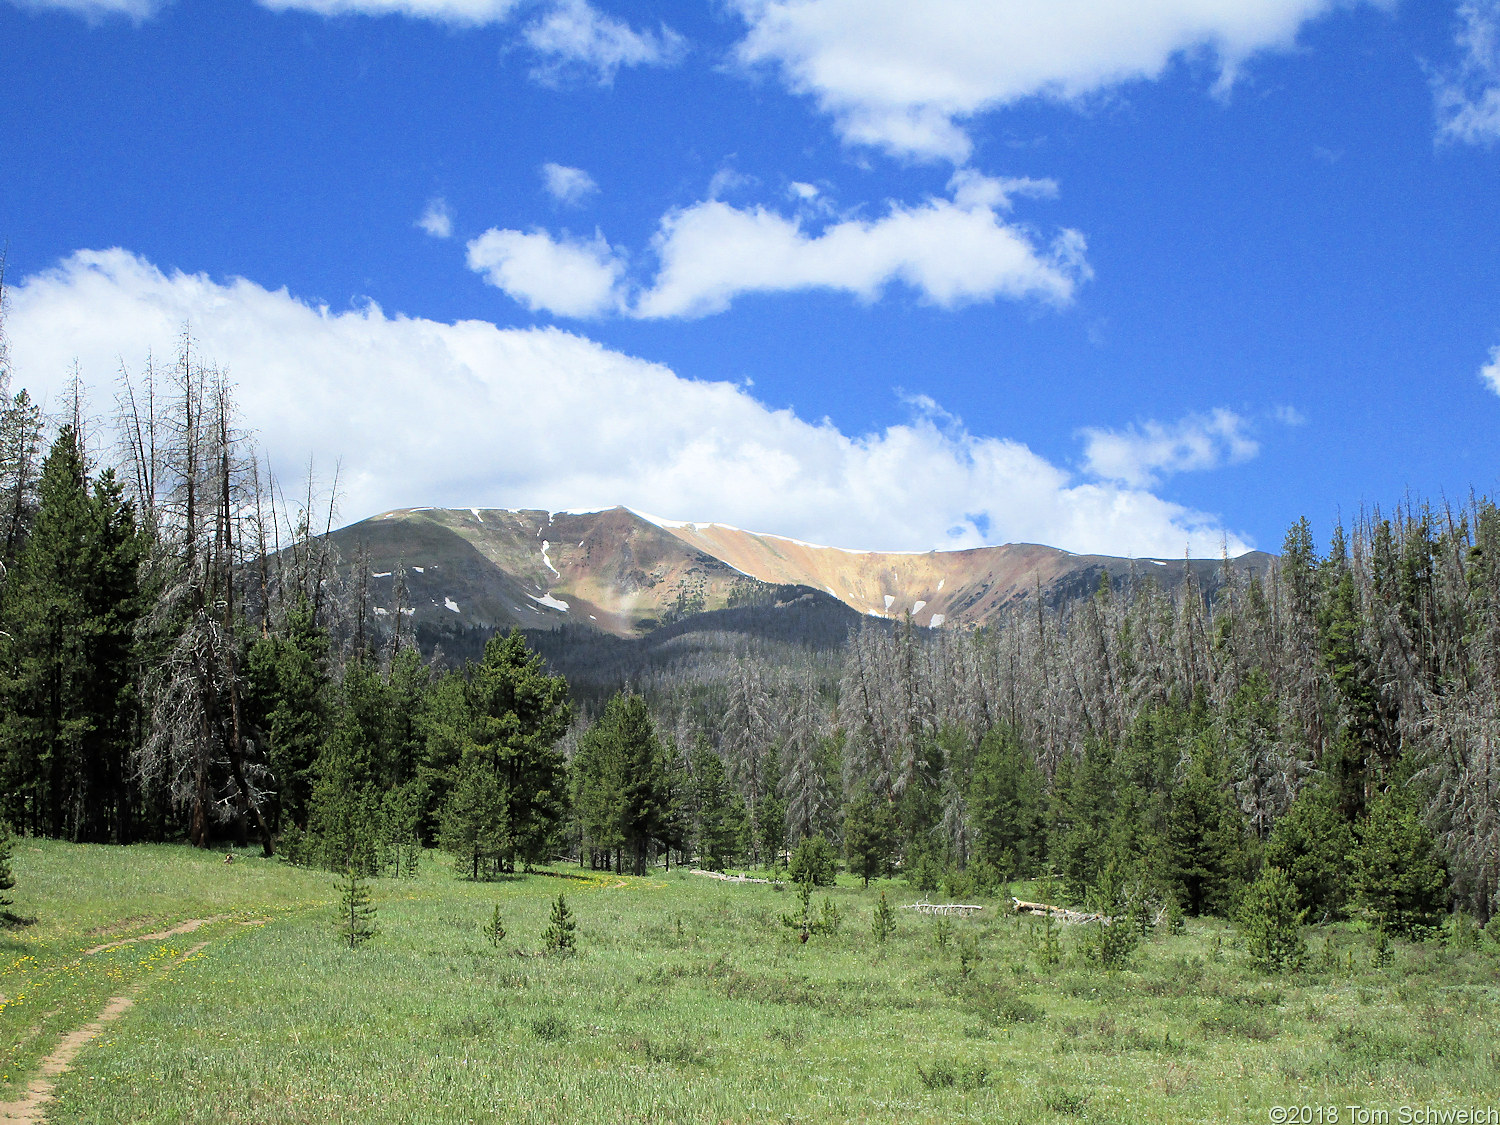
(183, 654)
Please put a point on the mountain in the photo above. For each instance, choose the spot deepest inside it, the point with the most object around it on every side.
(473, 570)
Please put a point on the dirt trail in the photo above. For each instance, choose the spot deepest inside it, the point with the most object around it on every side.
(176, 931)
(29, 1109)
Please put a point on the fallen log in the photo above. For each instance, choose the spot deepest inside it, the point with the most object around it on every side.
(734, 878)
(961, 909)
(1061, 913)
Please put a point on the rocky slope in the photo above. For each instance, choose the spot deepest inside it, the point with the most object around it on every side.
(627, 574)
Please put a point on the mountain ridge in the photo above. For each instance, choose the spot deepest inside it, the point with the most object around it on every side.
(623, 572)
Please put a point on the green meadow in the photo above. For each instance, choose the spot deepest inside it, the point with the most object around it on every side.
(688, 1000)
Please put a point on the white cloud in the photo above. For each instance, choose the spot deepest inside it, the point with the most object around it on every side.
(1139, 456)
(566, 276)
(1468, 96)
(575, 35)
(462, 12)
(952, 252)
(1490, 372)
(437, 220)
(462, 414)
(96, 10)
(904, 76)
(570, 186)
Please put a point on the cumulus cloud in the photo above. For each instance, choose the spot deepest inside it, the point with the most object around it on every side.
(437, 219)
(95, 10)
(565, 276)
(573, 35)
(569, 186)
(903, 77)
(1140, 456)
(1468, 96)
(1490, 372)
(458, 414)
(951, 252)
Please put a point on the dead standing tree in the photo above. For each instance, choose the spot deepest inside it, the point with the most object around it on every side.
(198, 740)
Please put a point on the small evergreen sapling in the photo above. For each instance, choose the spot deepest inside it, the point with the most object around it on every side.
(942, 931)
(884, 923)
(1271, 922)
(356, 923)
(560, 929)
(1049, 954)
(494, 929)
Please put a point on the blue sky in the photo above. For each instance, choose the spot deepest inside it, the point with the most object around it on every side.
(1117, 277)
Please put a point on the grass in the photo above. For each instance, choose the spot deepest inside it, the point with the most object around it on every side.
(687, 1001)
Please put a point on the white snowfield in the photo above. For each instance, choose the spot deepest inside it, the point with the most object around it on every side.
(890, 600)
(937, 620)
(550, 602)
(380, 574)
(548, 561)
(449, 603)
(918, 607)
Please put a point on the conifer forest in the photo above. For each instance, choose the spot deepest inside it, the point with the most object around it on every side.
(186, 661)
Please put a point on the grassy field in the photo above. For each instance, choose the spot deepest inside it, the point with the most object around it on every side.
(687, 1001)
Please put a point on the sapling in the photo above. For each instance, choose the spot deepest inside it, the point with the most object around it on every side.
(560, 929)
(884, 923)
(356, 921)
(494, 929)
(942, 931)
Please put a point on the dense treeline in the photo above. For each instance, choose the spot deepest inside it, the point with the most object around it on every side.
(182, 654)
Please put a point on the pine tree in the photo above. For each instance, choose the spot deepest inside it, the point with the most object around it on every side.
(1312, 844)
(494, 929)
(356, 921)
(560, 936)
(7, 878)
(67, 662)
(1006, 805)
(1205, 852)
(1401, 878)
(1271, 921)
(871, 834)
(475, 830)
(518, 715)
(287, 699)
